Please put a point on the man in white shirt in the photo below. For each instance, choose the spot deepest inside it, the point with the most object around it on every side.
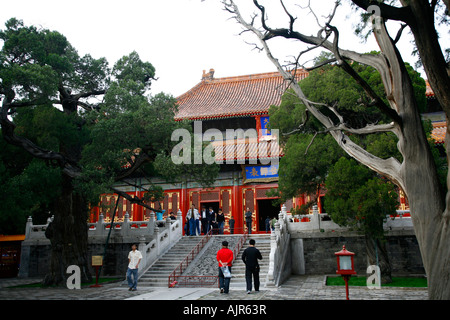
(193, 216)
(134, 258)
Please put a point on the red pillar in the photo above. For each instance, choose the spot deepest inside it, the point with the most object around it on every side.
(184, 199)
(258, 125)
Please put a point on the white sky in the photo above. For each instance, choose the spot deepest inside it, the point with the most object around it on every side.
(181, 38)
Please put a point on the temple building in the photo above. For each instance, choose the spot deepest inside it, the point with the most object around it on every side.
(233, 113)
(235, 110)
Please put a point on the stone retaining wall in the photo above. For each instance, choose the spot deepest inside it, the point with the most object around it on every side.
(314, 253)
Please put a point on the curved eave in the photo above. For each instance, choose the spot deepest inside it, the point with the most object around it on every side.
(225, 116)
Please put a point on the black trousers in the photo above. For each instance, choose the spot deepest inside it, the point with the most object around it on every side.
(249, 273)
(249, 226)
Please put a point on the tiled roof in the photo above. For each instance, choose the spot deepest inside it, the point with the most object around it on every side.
(428, 91)
(233, 96)
(438, 132)
(251, 149)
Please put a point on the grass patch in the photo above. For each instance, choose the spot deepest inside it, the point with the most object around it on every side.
(401, 282)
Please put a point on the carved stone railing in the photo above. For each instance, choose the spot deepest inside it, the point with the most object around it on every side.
(163, 240)
(154, 237)
(126, 229)
(321, 222)
(279, 249)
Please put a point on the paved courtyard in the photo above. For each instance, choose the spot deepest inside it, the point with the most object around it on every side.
(296, 288)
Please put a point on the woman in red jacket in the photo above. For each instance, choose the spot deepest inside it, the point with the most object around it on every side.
(225, 259)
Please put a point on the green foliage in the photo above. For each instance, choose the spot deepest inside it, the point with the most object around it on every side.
(303, 170)
(30, 193)
(358, 199)
(108, 120)
(439, 156)
(305, 165)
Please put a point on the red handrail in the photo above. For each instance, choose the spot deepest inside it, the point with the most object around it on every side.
(192, 280)
(188, 259)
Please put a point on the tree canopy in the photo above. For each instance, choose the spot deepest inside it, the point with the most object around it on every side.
(415, 172)
(92, 125)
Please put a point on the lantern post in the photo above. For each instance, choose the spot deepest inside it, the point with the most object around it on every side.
(346, 266)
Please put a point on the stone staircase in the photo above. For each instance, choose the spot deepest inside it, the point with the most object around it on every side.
(205, 263)
(238, 269)
(157, 275)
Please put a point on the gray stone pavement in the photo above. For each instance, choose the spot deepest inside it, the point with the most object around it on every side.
(311, 287)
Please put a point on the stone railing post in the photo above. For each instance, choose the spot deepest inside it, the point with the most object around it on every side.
(100, 228)
(151, 223)
(126, 229)
(28, 227)
(142, 249)
(158, 240)
(316, 218)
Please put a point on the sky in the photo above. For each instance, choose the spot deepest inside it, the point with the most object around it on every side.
(181, 38)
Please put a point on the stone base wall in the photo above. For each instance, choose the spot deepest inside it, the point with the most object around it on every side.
(36, 257)
(314, 253)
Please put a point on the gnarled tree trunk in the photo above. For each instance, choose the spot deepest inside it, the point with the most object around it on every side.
(68, 235)
(416, 174)
(377, 256)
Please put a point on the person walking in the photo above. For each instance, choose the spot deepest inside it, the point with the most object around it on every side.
(248, 220)
(250, 256)
(134, 258)
(211, 218)
(220, 221)
(272, 223)
(225, 258)
(267, 224)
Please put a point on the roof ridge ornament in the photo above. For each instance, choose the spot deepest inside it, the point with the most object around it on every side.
(209, 75)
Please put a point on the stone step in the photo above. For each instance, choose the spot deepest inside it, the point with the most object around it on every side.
(158, 274)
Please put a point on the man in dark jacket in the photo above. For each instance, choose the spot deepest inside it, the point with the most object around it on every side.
(250, 257)
(248, 220)
(211, 216)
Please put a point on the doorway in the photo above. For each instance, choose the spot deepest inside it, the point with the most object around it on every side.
(266, 209)
(214, 205)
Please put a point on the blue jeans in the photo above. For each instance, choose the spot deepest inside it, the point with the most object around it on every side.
(221, 227)
(224, 283)
(191, 227)
(197, 227)
(132, 283)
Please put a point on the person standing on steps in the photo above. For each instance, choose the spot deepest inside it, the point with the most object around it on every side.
(250, 256)
(192, 215)
(211, 216)
(204, 220)
(231, 223)
(225, 258)
(220, 221)
(248, 220)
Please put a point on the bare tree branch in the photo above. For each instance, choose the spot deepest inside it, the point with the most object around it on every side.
(388, 167)
(134, 199)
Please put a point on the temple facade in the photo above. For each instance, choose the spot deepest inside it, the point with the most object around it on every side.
(232, 113)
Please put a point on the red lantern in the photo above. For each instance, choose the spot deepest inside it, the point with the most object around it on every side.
(346, 266)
